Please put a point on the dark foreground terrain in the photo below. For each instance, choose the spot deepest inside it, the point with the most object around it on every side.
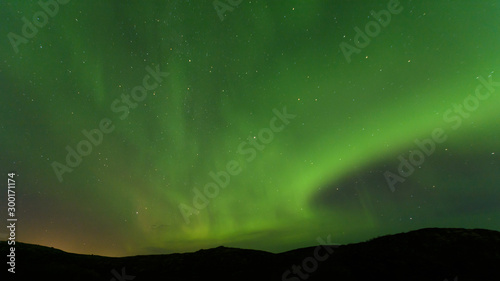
(427, 254)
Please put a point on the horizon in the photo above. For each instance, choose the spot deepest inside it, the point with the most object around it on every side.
(170, 126)
(228, 247)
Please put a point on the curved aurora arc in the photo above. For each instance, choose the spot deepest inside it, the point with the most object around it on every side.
(323, 174)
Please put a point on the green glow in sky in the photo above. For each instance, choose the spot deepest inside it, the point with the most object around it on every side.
(292, 136)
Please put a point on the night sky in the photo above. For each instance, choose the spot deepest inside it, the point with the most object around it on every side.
(147, 127)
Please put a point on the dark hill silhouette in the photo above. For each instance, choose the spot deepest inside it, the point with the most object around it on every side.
(426, 254)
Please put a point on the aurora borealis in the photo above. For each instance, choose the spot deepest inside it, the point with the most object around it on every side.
(214, 92)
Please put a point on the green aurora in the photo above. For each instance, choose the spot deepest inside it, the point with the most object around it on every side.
(320, 173)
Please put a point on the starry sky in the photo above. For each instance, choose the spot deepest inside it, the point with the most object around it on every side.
(148, 127)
